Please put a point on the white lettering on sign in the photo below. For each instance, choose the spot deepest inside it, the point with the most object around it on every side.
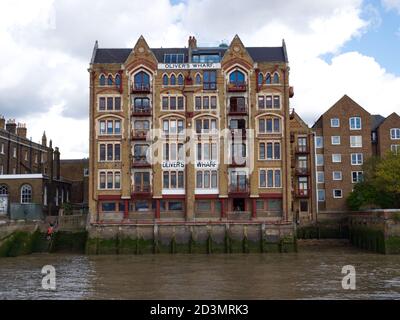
(189, 66)
(173, 165)
(207, 164)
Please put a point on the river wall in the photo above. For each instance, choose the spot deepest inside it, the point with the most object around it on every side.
(190, 238)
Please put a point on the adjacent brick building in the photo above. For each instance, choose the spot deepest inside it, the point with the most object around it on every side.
(196, 133)
(29, 171)
(346, 136)
(77, 172)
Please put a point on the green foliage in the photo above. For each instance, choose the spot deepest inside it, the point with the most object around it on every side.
(380, 187)
(67, 206)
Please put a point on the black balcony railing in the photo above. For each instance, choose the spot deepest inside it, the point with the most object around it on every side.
(140, 161)
(302, 149)
(139, 110)
(141, 87)
(237, 87)
(139, 134)
(302, 171)
(142, 189)
(239, 188)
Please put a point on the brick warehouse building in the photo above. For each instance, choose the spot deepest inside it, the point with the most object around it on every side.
(346, 136)
(29, 174)
(196, 133)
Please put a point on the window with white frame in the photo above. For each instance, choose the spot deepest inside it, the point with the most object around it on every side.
(205, 102)
(269, 102)
(355, 141)
(110, 127)
(109, 103)
(335, 123)
(337, 175)
(319, 142)
(319, 159)
(269, 125)
(335, 140)
(2, 148)
(320, 177)
(206, 179)
(109, 180)
(110, 152)
(270, 178)
(321, 195)
(395, 148)
(173, 103)
(206, 151)
(26, 193)
(173, 151)
(269, 151)
(337, 193)
(173, 126)
(206, 125)
(395, 133)
(336, 157)
(356, 176)
(14, 152)
(355, 123)
(356, 159)
(173, 179)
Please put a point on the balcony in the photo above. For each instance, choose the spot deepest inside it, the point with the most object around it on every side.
(302, 193)
(141, 190)
(235, 110)
(237, 87)
(302, 150)
(139, 134)
(238, 132)
(141, 111)
(299, 171)
(240, 162)
(141, 87)
(140, 162)
(237, 189)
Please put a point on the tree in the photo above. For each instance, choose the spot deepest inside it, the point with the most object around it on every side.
(380, 187)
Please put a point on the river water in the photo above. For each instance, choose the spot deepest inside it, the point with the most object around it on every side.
(312, 273)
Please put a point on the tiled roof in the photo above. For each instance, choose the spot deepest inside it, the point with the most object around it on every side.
(258, 54)
(376, 120)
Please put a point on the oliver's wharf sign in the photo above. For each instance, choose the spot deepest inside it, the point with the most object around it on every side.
(189, 66)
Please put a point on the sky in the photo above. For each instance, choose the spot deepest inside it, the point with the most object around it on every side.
(335, 47)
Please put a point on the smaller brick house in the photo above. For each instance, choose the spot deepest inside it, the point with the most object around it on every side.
(386, 135)
(77, 172)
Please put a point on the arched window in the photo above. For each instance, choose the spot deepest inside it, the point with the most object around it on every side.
(198, 79)
(180, 80)
(260, 79)
(268, 79)
(26, 193)
(110, 80)
(3, 189)
(173, 80)
(236, 77)
(165, 80)
(142, 80)
(117, 80)
(102, 80)
(276, 77)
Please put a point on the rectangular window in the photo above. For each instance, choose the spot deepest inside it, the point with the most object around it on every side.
(395, 148)
(395, 134)
(110, 104)
(319, 142)
(320, 177)
(355, 141)
(198, 103)
(108, 206)
(355, 123)
(261, 149)
(356, 158)
(337, 193)
(337, 175)
(206, 103)
(173, 179)
(321, 195)
(319, 159)
(268, 102)
(102, 103)
(117, 103)
(210, 80)
(213, 102)
(356, 176)
(277, 102)
(336, 158)
(335, 140)
(270, 178)
(335, 123)
(261, 104)
(109, 180)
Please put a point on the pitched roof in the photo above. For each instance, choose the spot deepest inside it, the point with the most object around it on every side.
(258, 54)
(376, 121)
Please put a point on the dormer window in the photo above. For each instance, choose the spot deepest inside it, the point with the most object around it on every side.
(174, 58)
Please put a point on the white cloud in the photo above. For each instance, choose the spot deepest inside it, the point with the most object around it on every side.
(47, 44)
(392, 5)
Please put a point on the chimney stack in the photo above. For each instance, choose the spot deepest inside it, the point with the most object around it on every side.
(2, 122)
(21, 130)
(57, 163)
(192, 42)
(11, 126)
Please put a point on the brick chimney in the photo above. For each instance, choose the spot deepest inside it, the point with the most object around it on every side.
(21, 130)
(192, 42)
(11, 126)
(2, 122)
